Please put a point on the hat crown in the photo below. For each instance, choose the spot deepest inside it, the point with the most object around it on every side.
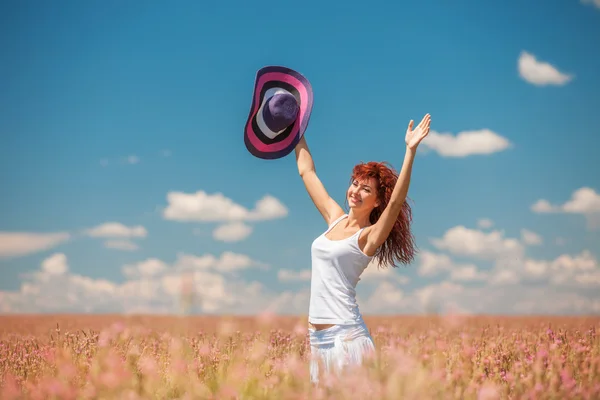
(280, 111)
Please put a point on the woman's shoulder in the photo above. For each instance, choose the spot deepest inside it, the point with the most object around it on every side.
(335, 218)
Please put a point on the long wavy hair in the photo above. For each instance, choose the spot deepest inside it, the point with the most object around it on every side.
(400, 244)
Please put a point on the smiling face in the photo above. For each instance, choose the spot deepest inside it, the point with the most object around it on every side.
(362, 194)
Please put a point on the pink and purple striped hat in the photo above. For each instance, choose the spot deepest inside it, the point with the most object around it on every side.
(281, 107)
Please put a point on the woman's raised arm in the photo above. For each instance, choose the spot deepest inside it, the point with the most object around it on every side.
(328, 208)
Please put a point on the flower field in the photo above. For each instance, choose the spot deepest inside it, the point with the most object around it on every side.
(433, 357)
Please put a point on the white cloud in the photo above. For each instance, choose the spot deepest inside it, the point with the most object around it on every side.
(433, 264)
(473, 243)
(566, 271)
(431, 297)
(530, 238)
(204, 207)
(504, 277)
(267, 208)
(116, 230)
(578, 270)
(543, 206)
(588, 279)
(208, 283)
(466, 143)
(54, 288)
(386, 297)
(540, 73)
(288, 275)
(593, 2)
(290, 302)
(583, 201)
(15, 244)
(56, 264)
(508, 298)
(147, 268)
(125, 245)
(520, 299)
(467, 273)
(151, 286)
(375, 272)
(230, 261)
(485, 223)
(232, 232)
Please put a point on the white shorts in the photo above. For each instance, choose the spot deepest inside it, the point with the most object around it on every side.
(337, 347)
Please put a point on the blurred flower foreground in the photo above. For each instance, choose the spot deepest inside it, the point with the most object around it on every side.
(266, 357)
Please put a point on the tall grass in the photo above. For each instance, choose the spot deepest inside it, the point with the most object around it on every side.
(267, 358)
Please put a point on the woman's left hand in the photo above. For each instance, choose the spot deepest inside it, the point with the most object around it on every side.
(414, 137)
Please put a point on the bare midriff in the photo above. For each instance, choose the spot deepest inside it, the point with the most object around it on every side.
(320, 327)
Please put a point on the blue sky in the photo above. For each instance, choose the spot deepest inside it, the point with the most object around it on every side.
(107, 107)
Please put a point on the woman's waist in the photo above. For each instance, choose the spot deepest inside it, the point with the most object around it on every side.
(343, 332)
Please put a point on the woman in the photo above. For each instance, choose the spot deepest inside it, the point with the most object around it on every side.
(377, 226)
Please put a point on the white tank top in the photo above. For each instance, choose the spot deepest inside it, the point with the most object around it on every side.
(336, 269)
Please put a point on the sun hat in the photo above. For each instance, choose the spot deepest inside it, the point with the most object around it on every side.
(282, 103)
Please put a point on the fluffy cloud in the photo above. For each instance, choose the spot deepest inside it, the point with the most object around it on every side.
(208, 282)
(232, 232)
(16, 244)
(530, 238)
(388, 298)
(467, 273)
(510, 263)
(288, 275)
(116, 230)
(385, 298)
(148, 268)
(204, 207)
(467, 143)
(581, 270)
(467, 242)
(432, 264)
(56, 264)
(375, 273)
(584, 201)
(446, 297)
(540, 73)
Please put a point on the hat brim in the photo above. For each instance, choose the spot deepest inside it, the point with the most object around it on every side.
(256, 141)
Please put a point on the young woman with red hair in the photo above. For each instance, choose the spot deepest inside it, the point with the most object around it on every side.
(376, 227)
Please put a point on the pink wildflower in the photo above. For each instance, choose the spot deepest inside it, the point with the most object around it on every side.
(10, 390)
(488, 392)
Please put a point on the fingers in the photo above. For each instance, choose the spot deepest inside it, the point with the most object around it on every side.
(425, 122)
(423, 125)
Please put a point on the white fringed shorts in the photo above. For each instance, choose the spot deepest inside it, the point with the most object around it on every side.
(339, 346)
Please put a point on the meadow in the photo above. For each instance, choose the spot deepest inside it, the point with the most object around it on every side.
(266, 357)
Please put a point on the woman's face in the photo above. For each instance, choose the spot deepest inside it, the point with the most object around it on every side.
(362, 194)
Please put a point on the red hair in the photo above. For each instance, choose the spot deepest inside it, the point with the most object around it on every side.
(400, 244)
